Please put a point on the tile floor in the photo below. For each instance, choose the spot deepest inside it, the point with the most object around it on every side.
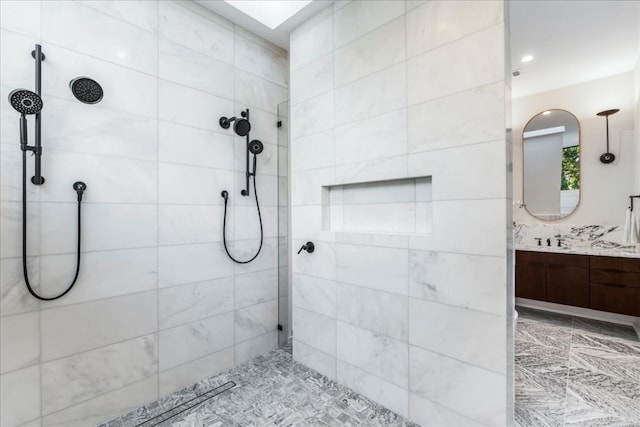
(572, 371)
(271, 390)
(569, 372)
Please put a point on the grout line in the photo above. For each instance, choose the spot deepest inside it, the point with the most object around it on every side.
(157, 183)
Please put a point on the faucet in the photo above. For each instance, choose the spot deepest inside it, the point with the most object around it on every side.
(549, 241)
(539, 239)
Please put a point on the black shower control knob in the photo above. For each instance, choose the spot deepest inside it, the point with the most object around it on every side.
(309, 247)
(79, 186)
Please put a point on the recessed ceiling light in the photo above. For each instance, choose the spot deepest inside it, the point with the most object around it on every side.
(527, 58)
(270, 13)
(546, 113)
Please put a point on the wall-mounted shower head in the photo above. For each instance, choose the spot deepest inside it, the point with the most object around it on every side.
(241, 126)
(256, 146)
(86, 90)
(25, 102)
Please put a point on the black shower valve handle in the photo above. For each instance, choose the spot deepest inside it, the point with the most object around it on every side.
(309, 247)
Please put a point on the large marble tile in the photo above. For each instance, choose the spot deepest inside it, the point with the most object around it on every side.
(185, 264)
(372, 170)
(314, 294)
(11, 229)
(195, 147)
(482, 52)
(191, 107)
(102, 274)
(81, 327)
(247, 350)
(103, 227)
(123, 132)
(174, 379)
(310, 42)
(358, 18)
(103, 185)
(20, 396)
(466, 335)
(321, 264)
(191, 68)
(384, 269)
(256, 320)
(245, 249)
(253, 91)
(126, 45)
(426, 412)
(256, 59)
(176, 184)
(315, 359)
(183, 304)
(74, 379)
(379, 93)
(140, 13)
(436, 276)
(376, 354)
(435, 24)
(101, 408)
(441, 123)
(14, 297)
(11, 178)
(312, 80)
(19, 341)
(183, 26)
(194, 340)
(311, 116)
(315, 330)
(184, 224)
(256, 287)
(385, 393)
(378, 137)
(12, 15)
(380, 312)
(476, 393)
(381, 48)
(310, 153)
(604, 329)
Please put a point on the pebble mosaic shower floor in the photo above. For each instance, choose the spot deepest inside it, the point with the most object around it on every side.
(271, 390)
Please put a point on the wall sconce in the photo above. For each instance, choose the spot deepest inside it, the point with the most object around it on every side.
(607, 157)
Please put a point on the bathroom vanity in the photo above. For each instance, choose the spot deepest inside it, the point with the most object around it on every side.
(605, 283)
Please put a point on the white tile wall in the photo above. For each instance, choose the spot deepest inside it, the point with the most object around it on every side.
(404, 277)
(158, 305)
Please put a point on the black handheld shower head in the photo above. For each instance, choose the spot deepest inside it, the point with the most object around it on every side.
(256, 146)
(25, 102)
(241, 126)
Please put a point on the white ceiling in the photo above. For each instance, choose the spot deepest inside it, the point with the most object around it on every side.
(278, 36)
(572, 41)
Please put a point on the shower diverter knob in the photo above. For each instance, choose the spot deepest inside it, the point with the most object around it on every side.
(309, 247)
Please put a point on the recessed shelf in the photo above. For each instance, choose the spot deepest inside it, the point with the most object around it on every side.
(401, 206)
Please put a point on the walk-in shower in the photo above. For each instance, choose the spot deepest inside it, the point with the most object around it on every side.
(242, 127)
(29, 103)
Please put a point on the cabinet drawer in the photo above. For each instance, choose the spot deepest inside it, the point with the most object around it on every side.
(615, 298)
(615, 277)
(631, 265)
(552, 258)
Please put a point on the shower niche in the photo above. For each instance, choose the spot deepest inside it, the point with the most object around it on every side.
(400, 206)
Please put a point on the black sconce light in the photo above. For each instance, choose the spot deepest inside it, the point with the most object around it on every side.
(607, 157)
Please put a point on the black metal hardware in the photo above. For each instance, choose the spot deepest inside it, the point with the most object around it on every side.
(309, 247)
(38, 179)
(279, 123)
(280, 328)
(549, 242)
(631, 201)
(539, 239)
(559, 243)
(607, 157)
(86, 90)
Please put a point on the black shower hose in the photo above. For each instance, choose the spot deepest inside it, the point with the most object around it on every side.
(24, 239)
(224, 225)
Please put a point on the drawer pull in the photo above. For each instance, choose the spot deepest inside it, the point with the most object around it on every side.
(613, 285)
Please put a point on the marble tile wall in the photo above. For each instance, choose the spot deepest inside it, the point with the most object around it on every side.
(158, 305)
(415, 320)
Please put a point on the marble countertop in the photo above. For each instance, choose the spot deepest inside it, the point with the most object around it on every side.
(582, 250)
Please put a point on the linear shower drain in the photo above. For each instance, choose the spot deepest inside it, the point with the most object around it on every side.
(183, 407)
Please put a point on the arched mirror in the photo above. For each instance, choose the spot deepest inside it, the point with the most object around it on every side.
(551, 149)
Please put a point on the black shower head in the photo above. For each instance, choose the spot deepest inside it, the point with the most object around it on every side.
(256, 146)
(25, 102)
(241, 126)
(86, 90)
